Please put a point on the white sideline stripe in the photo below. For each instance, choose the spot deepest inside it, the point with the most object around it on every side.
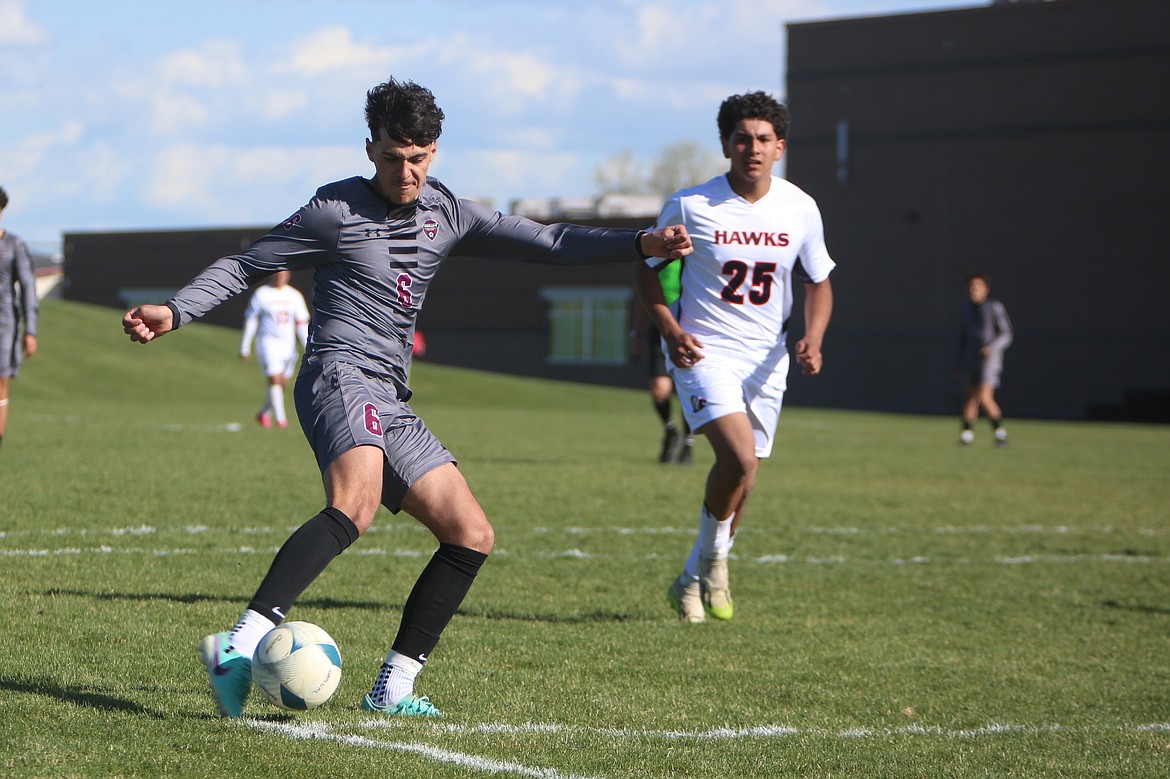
(323, 732)
(577, 554)
(398, 527)
(773, 731)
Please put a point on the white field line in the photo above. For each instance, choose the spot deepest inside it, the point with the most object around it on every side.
(325, 732)
(409, 526)
(322, 732)
(774, 731)
(111, 540)
(577, 554)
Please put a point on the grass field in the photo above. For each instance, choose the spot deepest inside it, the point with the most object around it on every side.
(903, 608)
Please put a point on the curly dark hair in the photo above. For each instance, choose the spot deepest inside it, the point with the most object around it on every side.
(753, 105)
(406, 111)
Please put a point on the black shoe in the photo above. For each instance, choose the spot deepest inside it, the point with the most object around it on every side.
(684, 454)
(670, 440)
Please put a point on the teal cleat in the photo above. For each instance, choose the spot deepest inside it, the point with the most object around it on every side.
(229, 673)
(410, 706)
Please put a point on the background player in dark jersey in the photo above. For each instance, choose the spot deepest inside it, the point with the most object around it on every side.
(374, 245)
(16, 268)
(984, 335)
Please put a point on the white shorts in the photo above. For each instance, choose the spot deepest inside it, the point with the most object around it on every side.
(276, 358)
(724, 382)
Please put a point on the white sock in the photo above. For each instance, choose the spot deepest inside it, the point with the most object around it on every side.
(276, 401)
(713, 541)
(395, 680)
(247, 633)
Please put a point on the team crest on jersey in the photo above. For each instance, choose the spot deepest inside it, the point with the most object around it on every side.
(292, 221)
(431, 228)
(698, 404)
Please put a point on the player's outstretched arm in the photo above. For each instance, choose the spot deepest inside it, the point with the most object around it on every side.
(145, 323)
(671, 242)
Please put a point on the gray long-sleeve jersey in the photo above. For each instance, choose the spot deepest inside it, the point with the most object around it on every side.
(373, 262)
(16, 266)
(988, 325)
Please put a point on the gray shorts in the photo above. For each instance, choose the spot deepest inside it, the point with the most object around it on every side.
(985, 370)
(341, 407)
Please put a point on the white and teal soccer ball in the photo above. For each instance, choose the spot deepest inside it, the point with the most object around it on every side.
(297, 666)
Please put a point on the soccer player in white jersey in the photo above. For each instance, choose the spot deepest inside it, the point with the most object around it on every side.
(277, 318)
(755, 235)
(374, 246)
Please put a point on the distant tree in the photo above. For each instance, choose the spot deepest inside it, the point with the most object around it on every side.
(679, 164)
(621, 174)
(683, 164)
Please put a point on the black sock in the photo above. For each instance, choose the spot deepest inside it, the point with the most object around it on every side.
(435, 598)
(663, 410)
(996, 424)
(966, 425)
(301, 560)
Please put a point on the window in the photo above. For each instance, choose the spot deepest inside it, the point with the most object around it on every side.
(588, 325)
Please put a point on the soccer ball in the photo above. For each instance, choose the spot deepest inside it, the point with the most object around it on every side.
(297, 666)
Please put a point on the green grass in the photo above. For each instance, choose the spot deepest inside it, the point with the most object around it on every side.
(903, 607)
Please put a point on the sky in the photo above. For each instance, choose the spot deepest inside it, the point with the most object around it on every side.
(147, 115)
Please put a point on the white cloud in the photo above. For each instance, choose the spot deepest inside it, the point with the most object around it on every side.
(280, 103)
(485, 172)
(177, 113)
(31, 152)
(236, 185)
(17, 29)
(334, 48)
(215, 63)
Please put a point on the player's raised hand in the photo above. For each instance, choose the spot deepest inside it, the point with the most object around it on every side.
(670, 242)
(146, 323)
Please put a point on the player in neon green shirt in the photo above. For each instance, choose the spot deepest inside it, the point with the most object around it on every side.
(677, 440)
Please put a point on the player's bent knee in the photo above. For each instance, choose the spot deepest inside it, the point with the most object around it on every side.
(739, 466)
(478, 535)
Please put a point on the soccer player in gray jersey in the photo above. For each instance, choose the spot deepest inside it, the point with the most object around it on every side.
(16, 268)
(984, 335)
(375, 245)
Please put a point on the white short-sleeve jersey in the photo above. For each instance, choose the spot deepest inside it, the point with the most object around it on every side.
(737, 284)
(277, 312)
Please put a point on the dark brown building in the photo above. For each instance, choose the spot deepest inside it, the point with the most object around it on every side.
(1030, 141)
(567, 323)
